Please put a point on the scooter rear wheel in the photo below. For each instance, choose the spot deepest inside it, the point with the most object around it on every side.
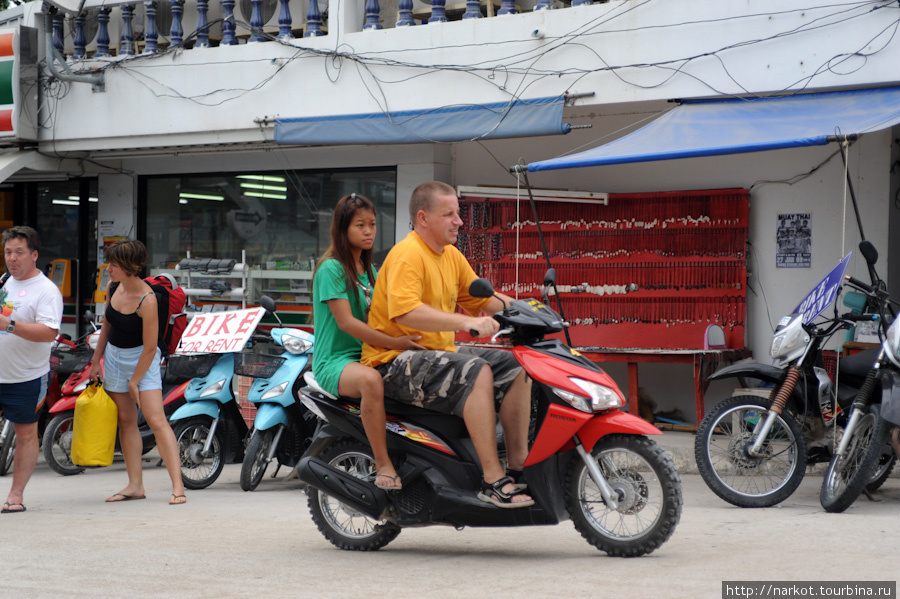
(648, 492)
(255, 459)
(342, 525)
(8, 451)
(198, 471)
(57, 444)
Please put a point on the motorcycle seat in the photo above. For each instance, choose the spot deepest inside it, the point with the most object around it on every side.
(858, 365)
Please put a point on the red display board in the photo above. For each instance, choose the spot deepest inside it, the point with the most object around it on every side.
(646, 271)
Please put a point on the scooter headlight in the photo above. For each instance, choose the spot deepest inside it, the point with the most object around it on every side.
(892, 343)
(213, 389)
(295, 344)
(275, 391)
(599, 397)
(81, 386)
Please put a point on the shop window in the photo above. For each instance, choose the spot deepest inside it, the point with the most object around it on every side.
(281, 219)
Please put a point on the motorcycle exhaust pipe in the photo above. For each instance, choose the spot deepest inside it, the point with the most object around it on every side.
(343, 486)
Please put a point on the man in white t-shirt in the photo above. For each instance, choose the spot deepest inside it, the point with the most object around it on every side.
(30, 315)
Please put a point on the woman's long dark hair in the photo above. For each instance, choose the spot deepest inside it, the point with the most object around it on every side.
(344, 213)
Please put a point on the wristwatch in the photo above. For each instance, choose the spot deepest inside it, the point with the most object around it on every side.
(11, 327)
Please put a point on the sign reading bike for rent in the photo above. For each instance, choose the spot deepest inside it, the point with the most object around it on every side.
(220, 332)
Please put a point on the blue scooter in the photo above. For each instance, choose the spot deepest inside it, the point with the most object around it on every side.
(283, 426)
(209, 428)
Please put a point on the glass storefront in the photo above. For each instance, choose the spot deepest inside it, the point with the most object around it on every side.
(281, 219)
(58, 224)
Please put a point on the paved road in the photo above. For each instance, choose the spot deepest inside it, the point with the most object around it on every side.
(227, 543)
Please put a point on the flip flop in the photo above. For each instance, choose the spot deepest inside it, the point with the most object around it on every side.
(8, 505)
(124, 498)
(393, 487)
(174, 497)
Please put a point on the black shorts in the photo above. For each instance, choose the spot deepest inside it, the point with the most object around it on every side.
(21, 402)
(441, 381)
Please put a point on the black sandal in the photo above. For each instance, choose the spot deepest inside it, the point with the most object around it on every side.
(518, 478)
(493, 493)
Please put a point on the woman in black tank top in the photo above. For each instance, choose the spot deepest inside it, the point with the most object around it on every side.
(131, 374)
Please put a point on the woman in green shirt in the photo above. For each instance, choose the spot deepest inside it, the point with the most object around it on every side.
(342, 289)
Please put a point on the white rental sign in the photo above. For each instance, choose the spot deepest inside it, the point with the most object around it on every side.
(220, 332)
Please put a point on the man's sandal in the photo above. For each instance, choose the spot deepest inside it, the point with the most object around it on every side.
(493, 493)
(395, 485)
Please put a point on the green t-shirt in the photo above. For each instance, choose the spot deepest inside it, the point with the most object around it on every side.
(334, 348)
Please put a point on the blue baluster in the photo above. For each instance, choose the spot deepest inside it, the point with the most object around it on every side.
(372, 13)
(508, 7)
(78, 41)
(176, 33)
(102, 32)
(313, 20)
(285, 21)
(404, 14)
(256, 22)
(581, 2)
(438, 12)
(127, 40)
(473, 9)
(202, 24)
(58, 32)
(543, 5)
(228, 37)
(151, 35)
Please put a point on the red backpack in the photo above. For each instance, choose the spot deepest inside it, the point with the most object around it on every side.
(170, 302)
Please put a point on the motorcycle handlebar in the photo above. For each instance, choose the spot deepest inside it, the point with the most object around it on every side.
(859, 317)
(857, 283)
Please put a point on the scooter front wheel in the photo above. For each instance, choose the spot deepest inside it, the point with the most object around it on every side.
(342, 525)
(722, 450)
(647, 489)
(57, 444)
(199, 471)
(256, 459)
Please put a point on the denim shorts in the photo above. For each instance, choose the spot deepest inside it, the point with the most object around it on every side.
(119, 365)
(21, 402)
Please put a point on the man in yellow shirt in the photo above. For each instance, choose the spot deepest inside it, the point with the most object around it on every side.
(423, 279)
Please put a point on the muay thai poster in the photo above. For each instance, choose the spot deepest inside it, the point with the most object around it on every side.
(794, 241)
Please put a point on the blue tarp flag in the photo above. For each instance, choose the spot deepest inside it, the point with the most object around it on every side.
(734, 126)
(519, 118)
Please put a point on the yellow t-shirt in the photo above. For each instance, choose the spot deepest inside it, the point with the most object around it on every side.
(413, 275)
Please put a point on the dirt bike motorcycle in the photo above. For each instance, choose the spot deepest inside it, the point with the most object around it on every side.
(752, 451)
(588, 461)
(865, 452)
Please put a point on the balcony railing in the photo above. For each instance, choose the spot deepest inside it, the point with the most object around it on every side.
(149, 27)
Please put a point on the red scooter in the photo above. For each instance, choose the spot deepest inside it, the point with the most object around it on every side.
(57, 438)
(587, 461)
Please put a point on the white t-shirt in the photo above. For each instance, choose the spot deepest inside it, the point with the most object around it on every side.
(33, 300)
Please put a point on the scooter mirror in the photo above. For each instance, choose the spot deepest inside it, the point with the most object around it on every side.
(481, 288)
(268, 304)
(88, 316)
(869, 252)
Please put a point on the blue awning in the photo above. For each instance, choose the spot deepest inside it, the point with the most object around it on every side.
(734, 126)
(520, 118)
